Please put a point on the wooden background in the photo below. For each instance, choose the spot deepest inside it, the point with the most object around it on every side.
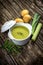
(10, 9)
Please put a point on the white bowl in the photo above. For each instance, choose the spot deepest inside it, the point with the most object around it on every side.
(21, 41)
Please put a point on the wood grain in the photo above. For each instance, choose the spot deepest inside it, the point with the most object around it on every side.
(10, 9)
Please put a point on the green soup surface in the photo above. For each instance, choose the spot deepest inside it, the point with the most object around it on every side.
(20, 32)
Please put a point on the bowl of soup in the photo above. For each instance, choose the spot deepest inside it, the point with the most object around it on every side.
(20, 33)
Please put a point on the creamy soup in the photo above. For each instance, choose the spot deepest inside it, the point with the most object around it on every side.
(20, 32)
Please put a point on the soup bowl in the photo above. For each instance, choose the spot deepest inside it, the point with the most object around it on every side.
(17, 39)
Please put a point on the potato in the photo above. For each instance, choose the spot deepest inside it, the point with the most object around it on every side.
(24, 12)
(19, 20)
(27, 18)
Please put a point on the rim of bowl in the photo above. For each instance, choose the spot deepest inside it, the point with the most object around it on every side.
(21, 24)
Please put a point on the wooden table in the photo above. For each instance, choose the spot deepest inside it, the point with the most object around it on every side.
(10, 9)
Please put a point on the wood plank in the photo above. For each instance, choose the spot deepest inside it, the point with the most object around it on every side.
(10, 9)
